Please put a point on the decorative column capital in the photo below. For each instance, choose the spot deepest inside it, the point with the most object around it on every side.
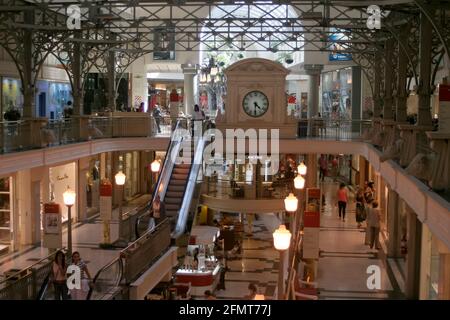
(313, 69)
(189, 68)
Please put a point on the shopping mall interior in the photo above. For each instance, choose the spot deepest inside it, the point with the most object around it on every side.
(217, 150)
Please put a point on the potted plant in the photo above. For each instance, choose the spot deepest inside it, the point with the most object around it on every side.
(12, 114)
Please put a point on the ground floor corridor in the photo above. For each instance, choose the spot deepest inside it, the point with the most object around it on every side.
(86, 237)
(342, 266)
(344, 258)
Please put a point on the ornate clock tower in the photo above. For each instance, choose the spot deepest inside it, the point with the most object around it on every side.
(256, 98)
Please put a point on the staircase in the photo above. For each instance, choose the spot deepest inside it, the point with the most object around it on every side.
(177, 185)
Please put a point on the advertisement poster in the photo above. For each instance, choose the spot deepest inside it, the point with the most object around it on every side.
(313, 203)
(336, 48)
(52, 218)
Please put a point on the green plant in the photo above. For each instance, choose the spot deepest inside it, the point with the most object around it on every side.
(12, 114)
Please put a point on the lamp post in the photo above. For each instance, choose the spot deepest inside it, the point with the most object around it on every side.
(69, 197)
(299, 185)
(291, 205)
(281, 242)
(120, 178)
(302, 169)
(155, 167)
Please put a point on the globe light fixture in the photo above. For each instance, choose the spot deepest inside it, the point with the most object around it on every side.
(302, 169)
(291, 203)
(69, 197)
(155, 166)
(299, 182)
(120, 178)
(282, 238)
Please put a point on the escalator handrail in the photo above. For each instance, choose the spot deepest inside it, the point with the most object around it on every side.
(173, 142)
(99, 272)
(197, 160)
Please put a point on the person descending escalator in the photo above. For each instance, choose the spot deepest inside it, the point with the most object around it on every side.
(59, 276)
(159, 211)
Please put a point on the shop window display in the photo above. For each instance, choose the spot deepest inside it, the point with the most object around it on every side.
(92, 187)
(12, 98)
(5, 214)
(336, 94)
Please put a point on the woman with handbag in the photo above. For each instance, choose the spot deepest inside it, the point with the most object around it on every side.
(81, 294)
(59, 276)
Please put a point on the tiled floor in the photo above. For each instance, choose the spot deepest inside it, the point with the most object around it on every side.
(344, 258)
(342, 267)
(258, 263)
(85, 238)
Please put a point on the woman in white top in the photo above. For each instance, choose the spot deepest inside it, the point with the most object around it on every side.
(81, 294)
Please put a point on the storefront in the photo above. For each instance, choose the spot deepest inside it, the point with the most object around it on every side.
(434, 268)
(131, 165)
(93, 186)
(52, 98)
(62, 177)
(6, 214)
(12, 97)
(337, 94)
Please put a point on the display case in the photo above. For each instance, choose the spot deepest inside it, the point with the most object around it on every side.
(201, 268)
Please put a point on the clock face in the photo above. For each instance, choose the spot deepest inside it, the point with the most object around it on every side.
(255, 104)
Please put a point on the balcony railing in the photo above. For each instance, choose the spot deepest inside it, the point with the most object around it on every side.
(40, 133)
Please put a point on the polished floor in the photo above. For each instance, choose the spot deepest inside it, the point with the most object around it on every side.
(342, 266)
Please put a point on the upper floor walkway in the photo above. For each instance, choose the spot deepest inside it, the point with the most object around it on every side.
(414, 162)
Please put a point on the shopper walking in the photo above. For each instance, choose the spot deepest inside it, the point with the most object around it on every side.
(360, 208)
(323, 167)
(221, 285)
(197, 119)
(342, 196)
(373, 225)
(81, 294)
(159, 209)
(157, 116)
(59, 276)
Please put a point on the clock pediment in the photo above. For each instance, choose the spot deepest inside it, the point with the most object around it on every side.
(256, 97)
(256, 65)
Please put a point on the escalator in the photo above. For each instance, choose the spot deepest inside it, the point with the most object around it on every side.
(179, 189)
(177, 184)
